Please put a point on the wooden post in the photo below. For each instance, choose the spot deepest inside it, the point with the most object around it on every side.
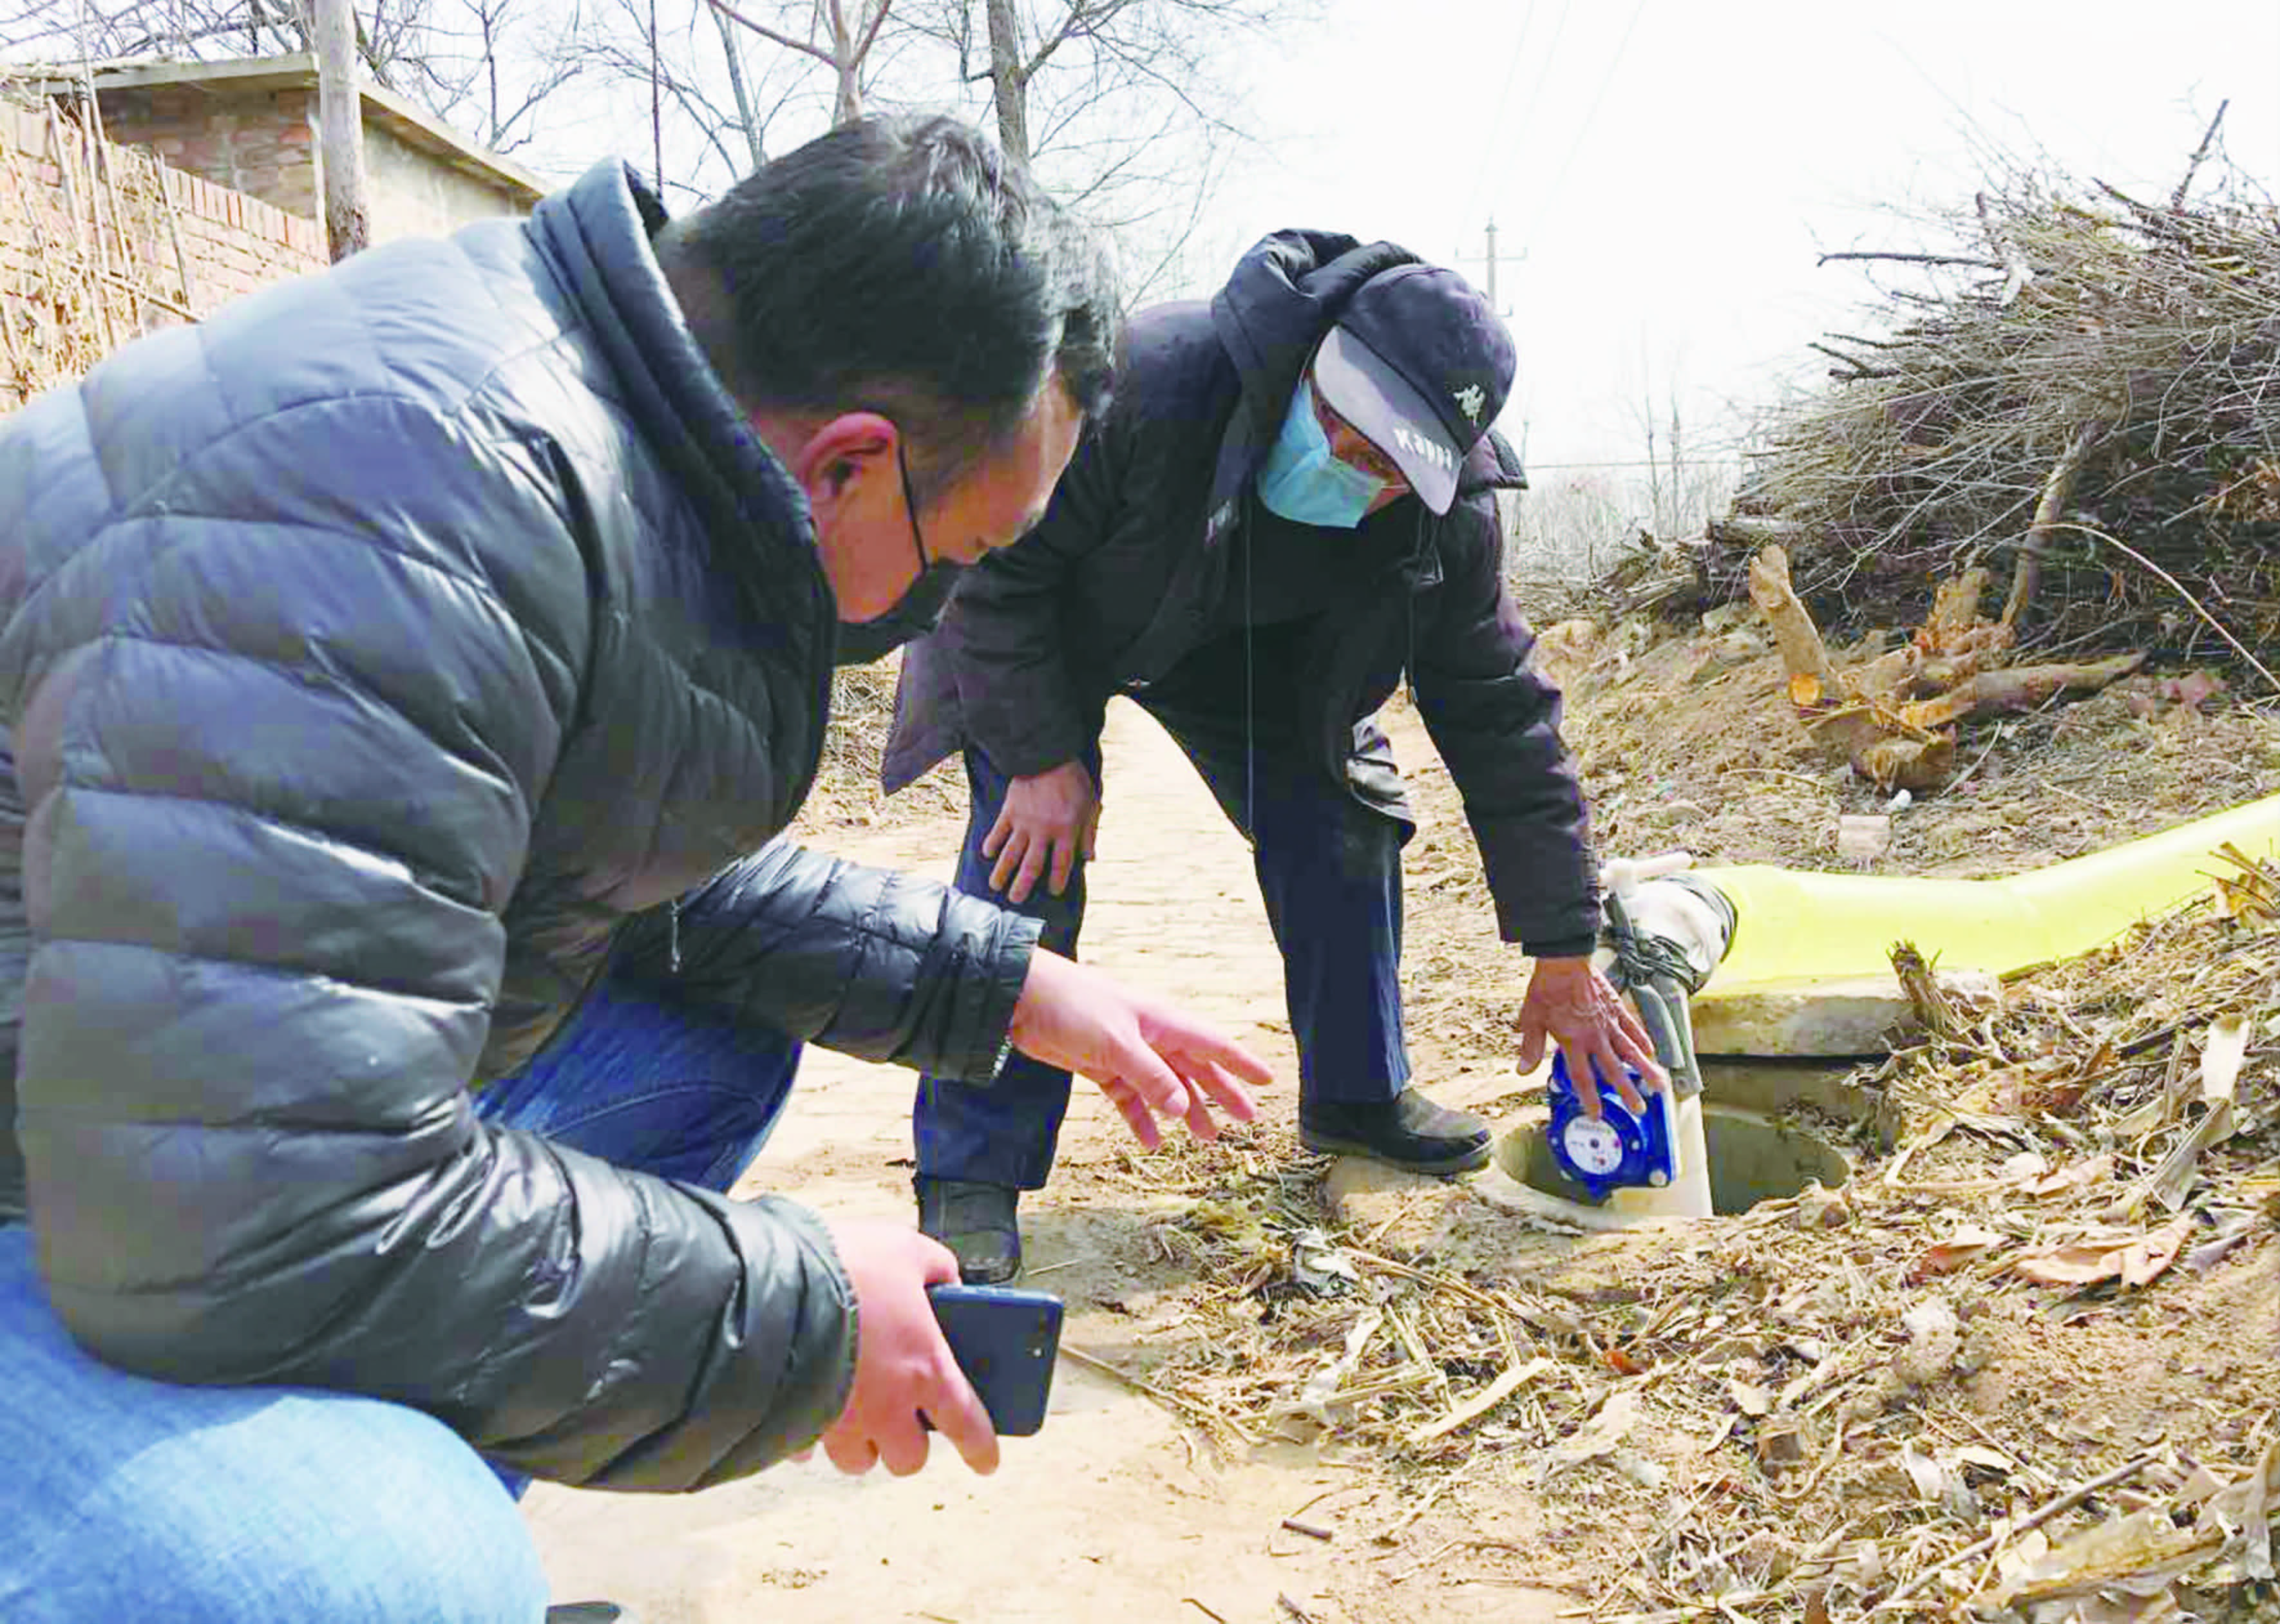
(340, 129)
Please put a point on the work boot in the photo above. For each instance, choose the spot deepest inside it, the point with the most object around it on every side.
(975, 1220)
(1408, 1131)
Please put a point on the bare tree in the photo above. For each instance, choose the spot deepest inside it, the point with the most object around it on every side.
(714, 106)
(1122, 107)
(840, 34)
(732, 49)
(485, 65)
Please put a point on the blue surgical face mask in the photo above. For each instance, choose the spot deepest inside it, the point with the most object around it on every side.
(1303, 483)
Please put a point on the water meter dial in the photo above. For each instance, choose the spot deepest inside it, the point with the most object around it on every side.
(1593, 1146)
(1613, 1149)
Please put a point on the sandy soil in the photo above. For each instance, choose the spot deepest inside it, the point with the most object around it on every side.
(1123, 1509)
(1112, 1512)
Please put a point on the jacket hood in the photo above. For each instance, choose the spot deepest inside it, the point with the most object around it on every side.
(1492, 464)
(1286, 293)
(597, 234)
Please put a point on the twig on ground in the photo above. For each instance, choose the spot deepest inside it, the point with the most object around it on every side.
(2028, 1523)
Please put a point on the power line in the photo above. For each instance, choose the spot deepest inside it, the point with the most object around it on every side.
(1585, 128)
(1639, 461)
(1488, 146)
(1543, 78)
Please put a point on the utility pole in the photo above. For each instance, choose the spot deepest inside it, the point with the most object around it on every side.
(1490, 286)
(340, 129)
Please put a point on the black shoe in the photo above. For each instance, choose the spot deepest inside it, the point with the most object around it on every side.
(589, 1613)
(1408, 1131)
(975, 1220)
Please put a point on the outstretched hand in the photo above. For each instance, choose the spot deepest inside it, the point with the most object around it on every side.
(1571, 1003)
(1153, 1060)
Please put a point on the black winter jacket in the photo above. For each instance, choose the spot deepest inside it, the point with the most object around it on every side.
(369, 654)
(1129, 569)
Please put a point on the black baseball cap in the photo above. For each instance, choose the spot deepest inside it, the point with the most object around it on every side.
(1421, 367)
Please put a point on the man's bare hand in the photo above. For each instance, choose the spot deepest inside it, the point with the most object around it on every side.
(1151, 1060)
(1570, 1003)
(903, 1366)
(1047, 822)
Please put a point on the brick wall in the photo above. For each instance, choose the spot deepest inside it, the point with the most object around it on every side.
(261, 143)
(97, 247)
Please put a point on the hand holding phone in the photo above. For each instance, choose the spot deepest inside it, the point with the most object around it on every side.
(904, 1367)
(1006, 1340)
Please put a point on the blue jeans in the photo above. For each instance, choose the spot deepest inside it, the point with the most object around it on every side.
(1329, 872)
(124, 1498)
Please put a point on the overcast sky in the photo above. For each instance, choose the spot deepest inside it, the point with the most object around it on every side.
(1664, 172)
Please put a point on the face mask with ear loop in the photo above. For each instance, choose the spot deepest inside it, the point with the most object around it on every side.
(1303, 483)
(913, 614)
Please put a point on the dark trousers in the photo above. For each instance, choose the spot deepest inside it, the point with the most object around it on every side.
(1329, 872)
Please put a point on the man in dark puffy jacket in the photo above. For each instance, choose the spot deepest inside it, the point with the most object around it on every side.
(1287, 509)
(393, 663)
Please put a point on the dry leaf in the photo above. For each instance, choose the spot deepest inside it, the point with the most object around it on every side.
(2079, 1263)
(1992, 1459)
(2141, 1546)
(2017, 1562)
(1803, 690)
(2222, 1054)
(2145, 1260)
(2135, 1262)
(1597, 1437)
(1751, 1400)
(1925, 1473)
(2024, 1166)
(1966, 1245)
(2090, 1170)
(2214, 1251)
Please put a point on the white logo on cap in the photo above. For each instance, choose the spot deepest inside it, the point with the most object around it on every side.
(1419, 445)
(1469, 401)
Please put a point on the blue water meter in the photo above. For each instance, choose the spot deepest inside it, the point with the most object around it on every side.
(1614, 1150)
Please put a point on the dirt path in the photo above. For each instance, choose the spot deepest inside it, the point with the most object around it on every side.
(1630, 1468)
(1111, 1512)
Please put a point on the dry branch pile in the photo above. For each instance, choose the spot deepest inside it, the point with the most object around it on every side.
(2110, 362)
(2024, 1365)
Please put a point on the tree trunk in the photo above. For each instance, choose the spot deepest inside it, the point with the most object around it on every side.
(1008, 87)
(731, 49)
(848, 107)
(340, 130)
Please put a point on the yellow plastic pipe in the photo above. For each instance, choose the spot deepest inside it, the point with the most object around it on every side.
(1795, 927)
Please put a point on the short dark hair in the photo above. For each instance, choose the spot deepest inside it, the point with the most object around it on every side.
(901, 264)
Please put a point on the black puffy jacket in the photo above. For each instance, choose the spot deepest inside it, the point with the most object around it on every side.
(370, 654)
(1130, 570)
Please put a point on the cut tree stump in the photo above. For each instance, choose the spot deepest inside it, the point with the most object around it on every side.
(1892, 719)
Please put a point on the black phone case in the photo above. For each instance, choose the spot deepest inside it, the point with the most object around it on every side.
(1006, 1339)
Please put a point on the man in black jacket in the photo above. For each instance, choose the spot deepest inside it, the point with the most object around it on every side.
(390, 665)
(1288, 507)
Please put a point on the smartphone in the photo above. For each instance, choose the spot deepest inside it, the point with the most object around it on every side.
(1006, 1339)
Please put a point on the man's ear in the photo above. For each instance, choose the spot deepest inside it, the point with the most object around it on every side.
(841, 455)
